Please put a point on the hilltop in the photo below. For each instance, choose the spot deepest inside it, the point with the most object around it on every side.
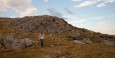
(37, 24)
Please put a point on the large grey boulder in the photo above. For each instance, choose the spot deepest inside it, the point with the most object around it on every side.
(16, 44)
(11, 43)
(8, 41)
(27, 42)
(23, 43)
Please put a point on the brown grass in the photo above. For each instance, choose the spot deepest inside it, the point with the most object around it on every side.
(61, 48)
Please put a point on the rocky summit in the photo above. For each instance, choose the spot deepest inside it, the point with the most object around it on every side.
(45, 24)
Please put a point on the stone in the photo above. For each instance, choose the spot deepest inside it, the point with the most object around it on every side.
(16, 44)
(27, 42)
(85, 40)
(12, 43)
(77, 41)
(107, 42)
(8, 41)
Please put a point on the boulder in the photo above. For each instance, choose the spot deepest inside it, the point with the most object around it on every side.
(11, 43)
(77, 41)
(16, 44)
(85, 40)
(27, 42)
(8, 41)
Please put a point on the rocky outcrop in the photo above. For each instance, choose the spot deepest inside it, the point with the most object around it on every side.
(11, 43)
(46, 24)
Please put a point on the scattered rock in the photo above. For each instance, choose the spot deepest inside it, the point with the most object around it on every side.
(85, 40)
(77, 41)
(107, 42)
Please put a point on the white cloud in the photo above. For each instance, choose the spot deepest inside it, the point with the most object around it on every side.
(101, 5)
(68, 11)
(23, 7)
(54, 12)
(86, 3)
(109, 29)
(29, 12)
(45, 0)
(111, 16)
(110, 1)
(2, 6)
(97, 24)
(102, 24)
(97, 3)
(76, 0)
(75, 21)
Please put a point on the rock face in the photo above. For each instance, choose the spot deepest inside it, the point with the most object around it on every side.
(11, 43)
(46, 24)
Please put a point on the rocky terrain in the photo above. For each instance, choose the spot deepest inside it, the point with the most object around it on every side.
(46, 24)
(19, 38)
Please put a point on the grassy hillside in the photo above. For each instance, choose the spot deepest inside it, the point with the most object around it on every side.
(57, 45)
(62, 49)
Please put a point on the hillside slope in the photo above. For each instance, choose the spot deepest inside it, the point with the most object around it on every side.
(60, 39)
(52, 25)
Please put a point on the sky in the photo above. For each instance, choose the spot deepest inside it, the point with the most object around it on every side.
(95, 15)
